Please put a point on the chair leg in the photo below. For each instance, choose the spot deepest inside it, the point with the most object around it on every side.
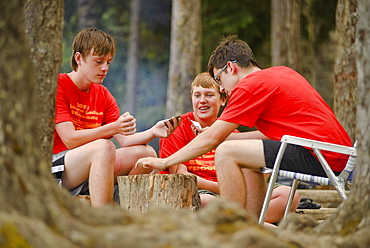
(291, 197)
(272, 182)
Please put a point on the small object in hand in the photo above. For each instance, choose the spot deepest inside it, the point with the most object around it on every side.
(171, 121)
(196, 124)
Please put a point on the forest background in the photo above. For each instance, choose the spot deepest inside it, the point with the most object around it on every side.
(249, 20)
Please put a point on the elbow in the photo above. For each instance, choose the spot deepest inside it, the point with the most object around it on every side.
(70, 143)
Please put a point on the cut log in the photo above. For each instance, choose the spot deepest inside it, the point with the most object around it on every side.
(140, 193)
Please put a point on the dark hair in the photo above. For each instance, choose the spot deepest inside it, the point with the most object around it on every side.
(92, 39)
(229, 49)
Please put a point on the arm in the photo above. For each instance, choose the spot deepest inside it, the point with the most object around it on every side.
(203, 143)
(202, 183)
(74, 138)
(247, 135)
(162, 129)
(121, 129)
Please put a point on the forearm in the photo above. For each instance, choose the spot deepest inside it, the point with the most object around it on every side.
(135, 139)
(247, 135)
(198, 146)
(74, 138)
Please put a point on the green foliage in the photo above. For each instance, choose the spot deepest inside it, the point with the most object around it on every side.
(248, 19)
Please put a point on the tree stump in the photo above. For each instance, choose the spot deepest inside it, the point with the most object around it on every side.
(140, 193)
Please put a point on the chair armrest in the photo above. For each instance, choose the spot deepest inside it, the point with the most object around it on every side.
(319, 145)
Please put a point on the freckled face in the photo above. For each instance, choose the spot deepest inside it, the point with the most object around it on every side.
(206, 103)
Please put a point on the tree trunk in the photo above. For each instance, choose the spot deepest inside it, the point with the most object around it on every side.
(353, 216)
(87, 14)
(318, 46)
(345, 71)
(46, 54)
(285, 33)
(133, 57)
(142, 193)
(185, 55)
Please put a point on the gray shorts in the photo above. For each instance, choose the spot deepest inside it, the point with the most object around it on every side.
(57, 170)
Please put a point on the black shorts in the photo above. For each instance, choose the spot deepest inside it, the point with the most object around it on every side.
(296, 158)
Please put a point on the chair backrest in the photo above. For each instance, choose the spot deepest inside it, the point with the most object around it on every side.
(346, 174)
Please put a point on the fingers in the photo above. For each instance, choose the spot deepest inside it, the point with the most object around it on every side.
(173, 123)
(156, 164)
(127, 124)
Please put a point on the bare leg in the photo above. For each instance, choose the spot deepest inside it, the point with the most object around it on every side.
(95, 161)
(206, 198)
(230, 157)
(126, 158)
(256, 187)
(278, 202)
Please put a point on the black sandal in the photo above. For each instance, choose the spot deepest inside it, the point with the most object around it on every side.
(306, 203)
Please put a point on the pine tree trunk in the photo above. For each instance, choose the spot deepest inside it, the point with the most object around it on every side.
(285, 33)
(133, 58)
(353, 216)
(141, 193)
(345, 71)
(185, 55)
(46, 56)
(87, 14)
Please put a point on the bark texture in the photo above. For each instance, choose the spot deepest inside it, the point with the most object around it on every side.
(185, 55)
(285, 33)
(133, 57)
(353, 217)
(87, 14)
(44, 34)
(142, 193)
(345, 82)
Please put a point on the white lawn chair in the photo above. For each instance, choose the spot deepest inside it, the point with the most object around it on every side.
(339, 182)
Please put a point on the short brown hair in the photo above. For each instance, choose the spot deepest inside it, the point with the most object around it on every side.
(229, 49)
(92, 39)
(206, 81)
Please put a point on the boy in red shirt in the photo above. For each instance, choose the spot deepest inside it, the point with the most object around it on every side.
(277, 101)
(87, 116)
(207, 100)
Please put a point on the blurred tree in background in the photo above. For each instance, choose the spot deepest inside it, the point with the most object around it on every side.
(249, 20)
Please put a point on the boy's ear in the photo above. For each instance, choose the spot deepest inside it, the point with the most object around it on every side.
(78, 57)
(233, 68)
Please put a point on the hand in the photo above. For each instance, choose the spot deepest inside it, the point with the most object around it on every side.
(157, 164)
(164, 128)
(126, 124)
(197, 130)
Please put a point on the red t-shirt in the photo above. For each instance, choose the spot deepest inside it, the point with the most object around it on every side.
(202, 166)
(278, 101)
(85, 110)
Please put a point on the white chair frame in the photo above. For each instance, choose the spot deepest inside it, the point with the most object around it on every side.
(337, 181)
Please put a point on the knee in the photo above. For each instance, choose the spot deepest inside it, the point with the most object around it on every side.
(105, 147)
(222, 153)
(143, 151)
(282, 194)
